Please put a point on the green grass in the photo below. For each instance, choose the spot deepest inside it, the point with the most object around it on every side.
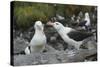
(27, 13)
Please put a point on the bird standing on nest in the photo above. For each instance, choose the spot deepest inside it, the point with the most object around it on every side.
(38, 41)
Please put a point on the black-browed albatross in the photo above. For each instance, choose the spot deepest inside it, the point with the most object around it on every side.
(69, 35)
(38, 42)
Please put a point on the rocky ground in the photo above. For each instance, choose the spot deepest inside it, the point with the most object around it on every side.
(57, 51)
(54, 57)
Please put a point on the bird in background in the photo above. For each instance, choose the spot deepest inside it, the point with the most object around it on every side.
(86, 23)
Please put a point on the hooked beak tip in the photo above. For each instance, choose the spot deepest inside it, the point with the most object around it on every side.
(50, 23)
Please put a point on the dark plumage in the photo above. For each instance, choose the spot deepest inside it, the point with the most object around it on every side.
(82, 23)
(79, 36)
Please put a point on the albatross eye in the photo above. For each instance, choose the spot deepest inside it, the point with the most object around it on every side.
(57, 23)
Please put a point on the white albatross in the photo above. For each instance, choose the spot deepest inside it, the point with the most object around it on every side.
(69, 35)
(38, 42)
(87, 18)
(85, 24)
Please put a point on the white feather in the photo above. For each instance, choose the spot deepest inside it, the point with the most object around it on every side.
(27, 51)
(38, 42)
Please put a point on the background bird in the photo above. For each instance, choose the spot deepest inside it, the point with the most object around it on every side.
(85, 23)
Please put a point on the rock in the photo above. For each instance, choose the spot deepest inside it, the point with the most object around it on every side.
(53, 57)
(59, 47)
(61, 57)
(91, 57)
(34, 59)
(90, 43)
(44, 61)
(70, 47)
(50, 49)
(28, 35)
(19, 45)
(35, 63)
(52, 39)
(14, 34)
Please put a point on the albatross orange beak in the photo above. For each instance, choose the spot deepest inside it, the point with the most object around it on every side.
(50, 23)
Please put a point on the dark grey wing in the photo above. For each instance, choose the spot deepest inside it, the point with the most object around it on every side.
(82, 23)
(78, 35)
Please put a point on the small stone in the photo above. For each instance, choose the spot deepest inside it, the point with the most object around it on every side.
(35, 63)
(19, 44)
(53, 38)
(44, 61)
(64, 61)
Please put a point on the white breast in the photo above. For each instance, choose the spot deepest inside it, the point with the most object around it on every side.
(38, 42)
(88, 22)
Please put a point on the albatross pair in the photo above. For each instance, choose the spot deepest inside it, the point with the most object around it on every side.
(69, 35)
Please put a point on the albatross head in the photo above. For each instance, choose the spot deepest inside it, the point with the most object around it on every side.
(87, 15)
(56, 25)
(38, 25)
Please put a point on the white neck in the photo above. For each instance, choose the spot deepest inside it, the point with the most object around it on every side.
(40, 32)
(62, 31)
